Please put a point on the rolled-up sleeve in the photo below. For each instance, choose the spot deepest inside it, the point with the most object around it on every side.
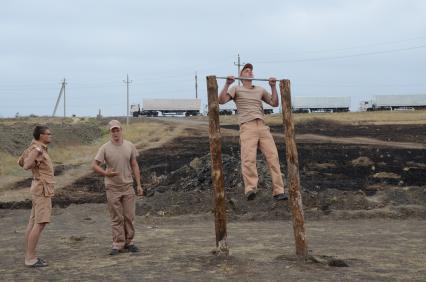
(232, 91)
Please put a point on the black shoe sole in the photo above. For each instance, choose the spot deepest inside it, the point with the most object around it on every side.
(251, 196)
(281, 199)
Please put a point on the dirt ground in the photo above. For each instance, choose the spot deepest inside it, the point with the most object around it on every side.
(76, 245)
(364, 197)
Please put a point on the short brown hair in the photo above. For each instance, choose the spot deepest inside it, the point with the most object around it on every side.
(38, 130)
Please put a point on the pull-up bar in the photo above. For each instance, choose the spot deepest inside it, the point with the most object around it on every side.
(217, 167)
(246, 78)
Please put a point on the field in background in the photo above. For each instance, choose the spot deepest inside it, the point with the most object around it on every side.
(76, 140)
(65, 151)
(354, 118)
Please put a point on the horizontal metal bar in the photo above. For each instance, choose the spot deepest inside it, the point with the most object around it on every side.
(245, 78)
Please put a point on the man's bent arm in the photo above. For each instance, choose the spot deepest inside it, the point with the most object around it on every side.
(29, 161)
(274, 98)
(224, 96)
(97, 168)
(136, 171)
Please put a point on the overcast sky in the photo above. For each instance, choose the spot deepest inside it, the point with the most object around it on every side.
(326, 48)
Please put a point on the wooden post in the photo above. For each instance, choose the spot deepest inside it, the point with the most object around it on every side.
(293, 172)
(217, 167)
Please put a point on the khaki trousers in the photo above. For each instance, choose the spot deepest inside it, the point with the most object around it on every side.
(255, 134)
(121, 206)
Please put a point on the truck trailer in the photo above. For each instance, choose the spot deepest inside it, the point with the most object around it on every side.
(167, 107)
(394, 102)
(230, 108)
(304, 104)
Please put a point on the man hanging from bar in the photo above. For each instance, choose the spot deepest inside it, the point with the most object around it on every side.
(254, 133)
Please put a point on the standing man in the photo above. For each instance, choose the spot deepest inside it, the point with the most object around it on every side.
(120, 158)
(36, 158)
(253, 131)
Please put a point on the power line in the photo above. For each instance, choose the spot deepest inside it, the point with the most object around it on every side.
(342, 56)
(369, 45)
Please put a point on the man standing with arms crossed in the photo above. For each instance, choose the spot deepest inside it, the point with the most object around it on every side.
(36, 158)
(253, 131)
(120, 158)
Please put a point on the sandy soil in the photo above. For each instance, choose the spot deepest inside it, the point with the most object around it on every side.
(76, 245)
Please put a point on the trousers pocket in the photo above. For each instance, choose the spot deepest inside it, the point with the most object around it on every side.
(48, 188)
(37, 187)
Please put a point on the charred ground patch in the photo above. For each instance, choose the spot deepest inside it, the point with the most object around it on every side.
(393, 132)
(177, 179)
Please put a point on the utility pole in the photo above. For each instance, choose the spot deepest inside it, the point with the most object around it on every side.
(239, 65)
(65, 101)
(61, 92)
(127, 112)
(196, 86)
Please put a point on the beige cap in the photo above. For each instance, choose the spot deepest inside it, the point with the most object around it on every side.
(113, 124)
(246, 66)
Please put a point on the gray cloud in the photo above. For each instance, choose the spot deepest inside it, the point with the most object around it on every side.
(319, 45)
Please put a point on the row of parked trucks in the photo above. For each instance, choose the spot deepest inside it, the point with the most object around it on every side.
(300, 104)
(181, 107)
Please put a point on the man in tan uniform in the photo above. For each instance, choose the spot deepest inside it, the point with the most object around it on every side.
(36, 158)
(253, 131)
(120, 158)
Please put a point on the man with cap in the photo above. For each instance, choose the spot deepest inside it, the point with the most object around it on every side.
(119, 155)
(254, 133)
(36, 158)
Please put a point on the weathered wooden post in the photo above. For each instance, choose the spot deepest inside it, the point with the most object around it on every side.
(293, 172)
(217, 167)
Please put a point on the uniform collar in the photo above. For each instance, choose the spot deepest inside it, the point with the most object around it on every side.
(38, 143)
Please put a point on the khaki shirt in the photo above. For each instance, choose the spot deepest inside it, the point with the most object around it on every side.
(118, 158)
(42, 168)
(249, 102)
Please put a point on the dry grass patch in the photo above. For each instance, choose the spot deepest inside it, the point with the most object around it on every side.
(45, 120)
(10, 171)
(144, 135)
(356, 118)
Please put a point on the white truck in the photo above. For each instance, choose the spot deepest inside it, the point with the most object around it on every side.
(304, 104)
(394, 102)
(167, 107)
(230, 108)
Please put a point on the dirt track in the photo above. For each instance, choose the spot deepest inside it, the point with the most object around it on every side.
(178, 249)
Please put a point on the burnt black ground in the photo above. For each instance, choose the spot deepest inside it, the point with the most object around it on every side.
(333, 177)
(387, 132)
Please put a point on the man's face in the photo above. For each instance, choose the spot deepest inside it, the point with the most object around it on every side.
(116, 133)
(247, 72)
(46, 137)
